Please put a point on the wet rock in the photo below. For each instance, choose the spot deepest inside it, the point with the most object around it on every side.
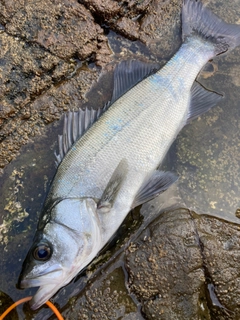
(25, 72)
(49, 106)
(220, 244)
(5, 302)
(29, 74)
(40, 42)
(127, 27)
(165, 268)
(111, 10)
(155, 31)
(186, 266)
(155, 23)
(107, 298)
(65, 28)
(207, 150)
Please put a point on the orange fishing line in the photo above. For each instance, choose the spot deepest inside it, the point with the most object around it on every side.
(15, 304)
(54, 309)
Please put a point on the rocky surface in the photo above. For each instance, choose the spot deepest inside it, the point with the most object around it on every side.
(43, 45)
(58, 55)
(186, 266)
(183, 266)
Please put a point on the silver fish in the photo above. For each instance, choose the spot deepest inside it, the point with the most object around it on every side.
(108, 159)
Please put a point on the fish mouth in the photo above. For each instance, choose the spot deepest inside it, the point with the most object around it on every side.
(48, 276)
(43, 294)
(52, 278)
(49, 282)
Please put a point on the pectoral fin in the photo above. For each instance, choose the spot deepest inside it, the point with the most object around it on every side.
(158, 182)
(113, 187)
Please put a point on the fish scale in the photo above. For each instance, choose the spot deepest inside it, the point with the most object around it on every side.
(143, 128)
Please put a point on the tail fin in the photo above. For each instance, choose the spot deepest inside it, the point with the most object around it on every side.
(200, 21)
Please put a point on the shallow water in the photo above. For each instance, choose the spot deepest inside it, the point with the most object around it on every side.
(207, 150)
(205, 156)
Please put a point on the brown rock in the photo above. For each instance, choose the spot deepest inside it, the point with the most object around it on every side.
(65, 28)
(30, 121)
(165, 270)
(220, 245)
(159, 29)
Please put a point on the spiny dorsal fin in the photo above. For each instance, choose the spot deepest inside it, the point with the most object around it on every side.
(76, 123)
(129, 73)
(157, 183)
(126, 75)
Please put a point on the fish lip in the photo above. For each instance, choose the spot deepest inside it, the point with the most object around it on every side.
(48, 281)
(29, 283)
(41, 296)
(51, 274)
(46, 291)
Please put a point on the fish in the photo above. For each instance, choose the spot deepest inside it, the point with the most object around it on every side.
(109, 158)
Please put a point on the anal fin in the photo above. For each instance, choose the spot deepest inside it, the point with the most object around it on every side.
(201, 101)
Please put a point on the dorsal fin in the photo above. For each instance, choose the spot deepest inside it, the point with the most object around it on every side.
(129, 73)
(75, 125)
(126, 75)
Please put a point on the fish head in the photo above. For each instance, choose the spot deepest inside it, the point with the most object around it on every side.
(69, 240)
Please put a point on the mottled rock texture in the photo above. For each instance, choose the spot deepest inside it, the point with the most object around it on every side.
(43, 45)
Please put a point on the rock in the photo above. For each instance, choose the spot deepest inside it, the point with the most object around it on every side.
(165, 269)
(41, 43)
(220, 244)
(6, 302)
(186, 266)
(64, 28)
(106, 299)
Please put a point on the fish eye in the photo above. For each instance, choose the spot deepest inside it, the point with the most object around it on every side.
(42, 252)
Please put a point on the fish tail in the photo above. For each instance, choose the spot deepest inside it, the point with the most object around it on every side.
(197, 20)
